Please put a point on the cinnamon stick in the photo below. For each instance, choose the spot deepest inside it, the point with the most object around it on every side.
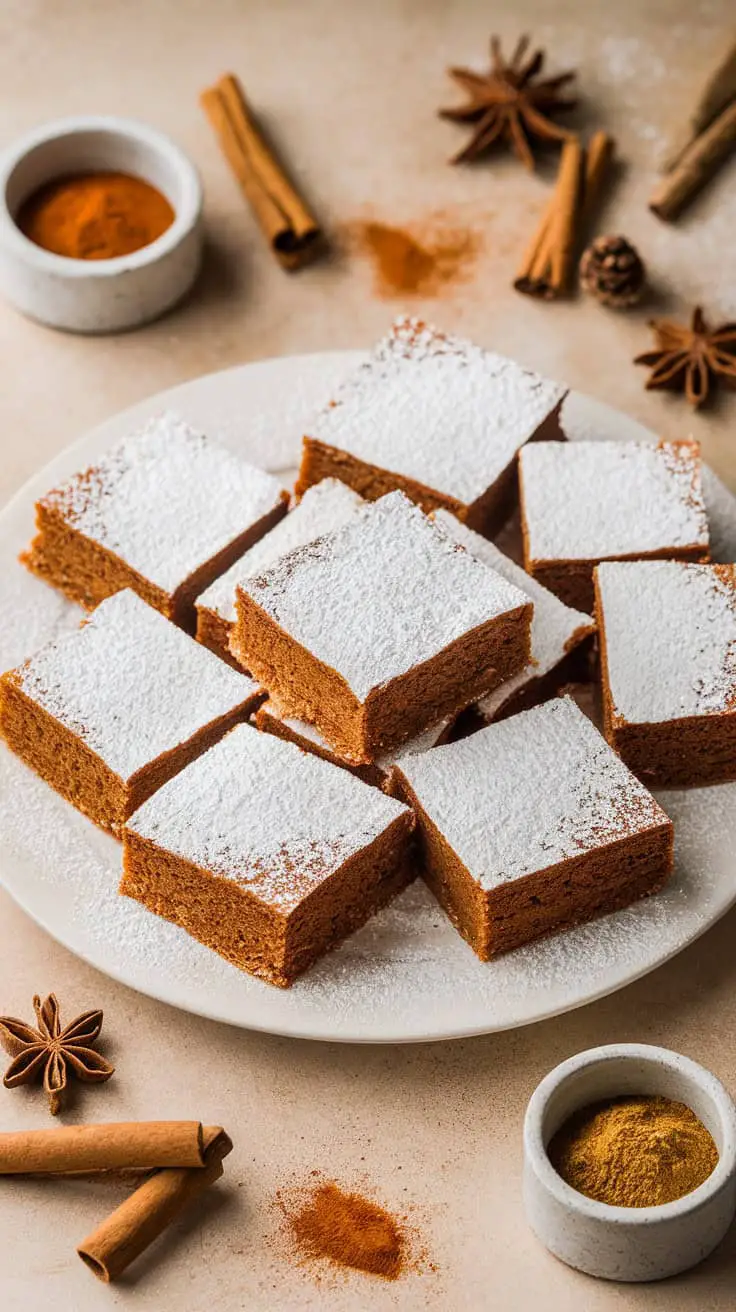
(142, 1144)
(532, 275)
(290, 228)
(567, 215)
(129, 1230)
(536, 276)
(696, 166)
(598, 158)
(716, 93)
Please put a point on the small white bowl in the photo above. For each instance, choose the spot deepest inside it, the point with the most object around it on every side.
(99, 296)
(628, 1243)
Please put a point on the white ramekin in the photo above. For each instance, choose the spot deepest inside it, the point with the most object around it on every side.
(628, 1243)
(99, 296)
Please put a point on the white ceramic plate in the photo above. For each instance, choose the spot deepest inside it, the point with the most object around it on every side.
(407, 975)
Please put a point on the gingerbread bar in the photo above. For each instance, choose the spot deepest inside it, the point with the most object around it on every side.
(668, 668)
(584, 502)
(267, 854)
(380, 630)
(163, 513)
(560, 637)
(107, 713)
(531, 826)
(324, 508)
(437, 418)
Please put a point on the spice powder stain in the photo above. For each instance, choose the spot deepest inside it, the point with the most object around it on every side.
(346, 1230)
(419, 260)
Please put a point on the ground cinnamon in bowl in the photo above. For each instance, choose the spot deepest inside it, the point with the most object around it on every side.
(634, 1151)
(346, 1229)
(95, 216)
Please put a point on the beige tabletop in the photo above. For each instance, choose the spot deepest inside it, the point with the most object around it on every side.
(351, 90)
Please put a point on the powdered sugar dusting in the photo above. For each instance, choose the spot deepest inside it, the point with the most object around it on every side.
(556, 628)
(130, 684)
(386, 592)
(590, 500)
(553, 785)
(323, 508)
(265, 814)
(670, 638)
(166, 500)
(437, 409)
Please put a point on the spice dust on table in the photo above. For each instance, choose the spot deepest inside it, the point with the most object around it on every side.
(428, 257)
(324, 1223)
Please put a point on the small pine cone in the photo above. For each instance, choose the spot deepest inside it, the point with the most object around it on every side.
(612, 271)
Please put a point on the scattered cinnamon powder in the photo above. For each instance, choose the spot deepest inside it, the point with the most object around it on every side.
(419, 260)
(347, 1230)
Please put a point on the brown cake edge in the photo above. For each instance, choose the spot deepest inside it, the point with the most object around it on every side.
(307, 689)
(268, 723)
(572, 581)
(88, 573)
(81, 569)
(493, 922)
(61, 758)
(185, 597)
(503, 642)
(320, 460)
(214, 633)
(693, 751)
(232, 921)
(574, 667)
(64, 761)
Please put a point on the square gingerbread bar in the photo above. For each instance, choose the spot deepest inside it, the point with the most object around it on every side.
(109, 712)
(380, 630)
(163, 513)
(323, 508)
(584, 502)
(267, 854)
(271, 719)
(560, 636)
(531, 826)
(668, 668)
(436, 417)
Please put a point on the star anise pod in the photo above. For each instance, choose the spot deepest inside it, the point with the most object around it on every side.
(508, 106)
(691, 359)
(52, 1052)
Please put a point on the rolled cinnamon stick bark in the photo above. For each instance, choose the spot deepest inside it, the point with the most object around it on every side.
(287, 223)
(535, 264)
(716, 93)
(598, 158)
(696, 166)
(129, 1230)
(536, 276)
(136, 1144)
(567, 216)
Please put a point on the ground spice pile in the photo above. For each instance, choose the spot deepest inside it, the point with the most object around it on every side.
(634, 1151)
(95, 216)
(347, 1230)
(414, 261)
